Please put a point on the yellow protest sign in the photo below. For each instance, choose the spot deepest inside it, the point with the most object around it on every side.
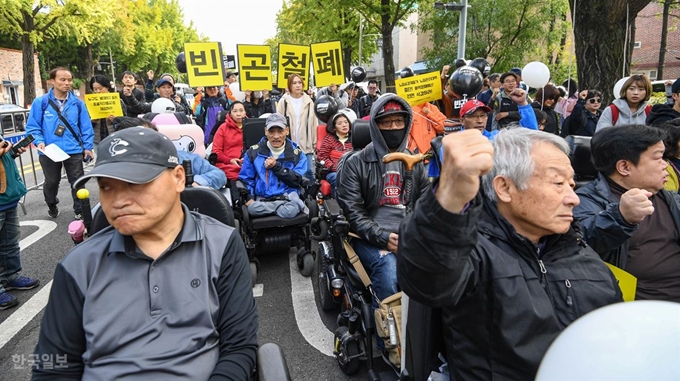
(627, 282)
(327, 63)
(204, 63)
(255, 67)
(293, 59)
(420, 88)
(101, 106)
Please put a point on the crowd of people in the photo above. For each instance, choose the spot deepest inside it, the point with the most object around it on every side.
(497, 233)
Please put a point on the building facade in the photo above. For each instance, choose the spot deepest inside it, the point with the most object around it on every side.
(12, 77)
(648, 26)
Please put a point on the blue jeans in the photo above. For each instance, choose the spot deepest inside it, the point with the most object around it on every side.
(10, 262)
(381, 266)
(332, 178)
(310, 167)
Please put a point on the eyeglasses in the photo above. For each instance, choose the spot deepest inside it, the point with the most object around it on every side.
(388, 123)
(595, 100)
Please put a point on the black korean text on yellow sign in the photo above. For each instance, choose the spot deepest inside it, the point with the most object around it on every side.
(101, 106)
(204, 63)
(293, 59)
(420, 88)
(327, 63)
(255, 67)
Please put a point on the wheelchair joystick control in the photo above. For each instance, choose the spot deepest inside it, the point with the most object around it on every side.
(189, 174)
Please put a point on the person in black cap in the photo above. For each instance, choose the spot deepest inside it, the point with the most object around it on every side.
(149, 297)
(371, 195)
(272, 171)
(661, 114)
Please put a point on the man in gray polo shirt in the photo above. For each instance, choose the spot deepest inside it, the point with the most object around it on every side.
(149, 298)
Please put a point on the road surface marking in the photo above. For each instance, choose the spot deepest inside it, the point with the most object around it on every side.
(28, 310)
(306, 314)
(258, 290)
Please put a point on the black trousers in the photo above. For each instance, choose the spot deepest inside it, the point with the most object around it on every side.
(52, 171)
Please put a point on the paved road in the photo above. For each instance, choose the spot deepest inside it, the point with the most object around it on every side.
(287, 304)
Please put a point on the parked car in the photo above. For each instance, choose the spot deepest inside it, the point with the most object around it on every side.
(9, 111)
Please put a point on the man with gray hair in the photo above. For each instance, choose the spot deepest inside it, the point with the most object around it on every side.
(507, 264)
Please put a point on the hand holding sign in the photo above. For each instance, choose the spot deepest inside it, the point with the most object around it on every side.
(103, 105)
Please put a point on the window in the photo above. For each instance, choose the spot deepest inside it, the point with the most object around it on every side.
(652, 75)
(637, 44)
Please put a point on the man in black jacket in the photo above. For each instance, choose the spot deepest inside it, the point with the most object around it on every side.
(366, 102)
(506, 264)
(627, 216)
(151, 297)
(665, 113)
(370, 193)
(132, 97)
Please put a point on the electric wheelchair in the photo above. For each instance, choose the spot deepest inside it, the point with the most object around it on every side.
(271, 362)
(269, 234)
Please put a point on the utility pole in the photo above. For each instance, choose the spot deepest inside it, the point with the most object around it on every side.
(361, 35)
(462, 27)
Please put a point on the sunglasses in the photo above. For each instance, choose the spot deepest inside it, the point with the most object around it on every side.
(595, 100)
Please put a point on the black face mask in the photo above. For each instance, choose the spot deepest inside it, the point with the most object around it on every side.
(393, 138)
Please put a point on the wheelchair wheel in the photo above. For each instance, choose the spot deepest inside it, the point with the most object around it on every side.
(313, 208)
(305, 262)
(347, 351)
(322, 283)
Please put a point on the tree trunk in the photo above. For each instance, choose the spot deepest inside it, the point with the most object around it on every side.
(89, 66)
(664, 38)
(28, 50)
(599, 35)
(347, 62)
(388, 55)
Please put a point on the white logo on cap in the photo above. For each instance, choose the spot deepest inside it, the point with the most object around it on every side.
(115, 143)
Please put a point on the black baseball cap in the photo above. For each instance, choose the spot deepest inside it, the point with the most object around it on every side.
(676, 86)
(135, 155)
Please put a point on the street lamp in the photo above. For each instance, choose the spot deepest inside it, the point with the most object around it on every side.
(462, 8)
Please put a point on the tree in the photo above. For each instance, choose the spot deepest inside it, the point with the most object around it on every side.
(385, 15)
(35, 21)
(600, 32)
(667, 5)
(507, 33)
(308, 21)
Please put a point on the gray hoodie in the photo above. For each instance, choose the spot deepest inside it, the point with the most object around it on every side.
(625, 116)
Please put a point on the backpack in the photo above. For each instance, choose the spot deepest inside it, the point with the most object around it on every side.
(615, 112)
(221, 118)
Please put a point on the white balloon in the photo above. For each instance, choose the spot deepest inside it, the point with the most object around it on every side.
(236, 91)
(625, 341)
(162, 106)
(536, 74)
(618, 86)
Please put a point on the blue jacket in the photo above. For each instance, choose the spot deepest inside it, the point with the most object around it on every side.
(527, 119)
(285, 177)
(204, 173)
(43, 124)
(15, 187)
(604, 229)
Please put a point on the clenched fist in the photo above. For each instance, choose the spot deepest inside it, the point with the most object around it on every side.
(519, 96)
(635, 205)
(467, 156)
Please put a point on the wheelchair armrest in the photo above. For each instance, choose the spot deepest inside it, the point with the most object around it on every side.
(271, 363)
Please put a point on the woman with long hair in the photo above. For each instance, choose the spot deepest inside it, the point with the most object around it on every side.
(228, 145)
(100, 84)
(545, 100)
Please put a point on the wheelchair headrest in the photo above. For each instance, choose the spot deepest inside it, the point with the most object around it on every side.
(361, 134)
(208, 201)
(185, 137)
(581, 159)
(321, 133)
(253, 131)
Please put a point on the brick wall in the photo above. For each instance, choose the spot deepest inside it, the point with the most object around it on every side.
(11, 69)
(648, 33)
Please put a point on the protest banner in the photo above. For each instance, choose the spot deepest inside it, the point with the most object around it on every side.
(103, 105)
(420, 88)
(255, 67)
(204, 63)
(327, 63)
(293, 59)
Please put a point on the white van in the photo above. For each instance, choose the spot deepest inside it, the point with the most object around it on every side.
(183, 88)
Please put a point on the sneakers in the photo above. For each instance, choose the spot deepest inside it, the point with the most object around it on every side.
(7, 301)
(53, 211)
(21, 283)
(79, 216)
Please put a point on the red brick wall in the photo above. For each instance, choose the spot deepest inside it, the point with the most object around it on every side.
(11, 68)
(648, 32)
